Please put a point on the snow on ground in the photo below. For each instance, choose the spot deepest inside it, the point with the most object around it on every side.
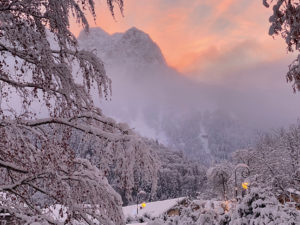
(137, 224)
(153, 209)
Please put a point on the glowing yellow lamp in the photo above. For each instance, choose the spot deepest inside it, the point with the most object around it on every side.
(245, 185)
(143, 205)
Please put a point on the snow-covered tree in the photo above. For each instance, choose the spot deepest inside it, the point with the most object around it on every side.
(42, 68)
(179, 176)
(126, 173)
(243, 156)
(219, 178)
(285, 21)
(274, 162)
(276, 159)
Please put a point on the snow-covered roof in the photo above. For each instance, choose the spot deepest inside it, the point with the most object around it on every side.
(153, 209)
(293, 191)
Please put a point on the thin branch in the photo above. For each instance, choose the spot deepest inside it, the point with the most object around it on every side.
(13, 167)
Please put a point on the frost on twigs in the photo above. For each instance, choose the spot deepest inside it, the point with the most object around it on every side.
(41, 68)
(285, 21)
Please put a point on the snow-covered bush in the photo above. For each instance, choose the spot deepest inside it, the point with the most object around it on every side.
(261, 207)
(194, 212)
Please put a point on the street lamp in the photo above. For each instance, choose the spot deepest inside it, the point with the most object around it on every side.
(140, 194)
(245, 172)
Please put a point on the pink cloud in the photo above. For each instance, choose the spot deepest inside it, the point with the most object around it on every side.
(193, 42)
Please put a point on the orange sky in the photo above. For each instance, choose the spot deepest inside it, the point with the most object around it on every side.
(198, 36)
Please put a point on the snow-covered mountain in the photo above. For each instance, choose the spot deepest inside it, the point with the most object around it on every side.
(132, 47)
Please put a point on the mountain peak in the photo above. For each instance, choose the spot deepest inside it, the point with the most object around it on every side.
(132, 46)
(137, 36)
(134, 29)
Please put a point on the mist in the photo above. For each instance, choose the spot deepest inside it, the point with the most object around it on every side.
(226, 107)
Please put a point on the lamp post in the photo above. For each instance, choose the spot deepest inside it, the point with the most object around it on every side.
(141, 193)
(245, 172)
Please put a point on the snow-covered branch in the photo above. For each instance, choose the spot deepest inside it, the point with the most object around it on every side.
(11, 166)
(285, 22)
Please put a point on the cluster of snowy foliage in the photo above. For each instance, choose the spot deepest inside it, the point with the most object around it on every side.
(260, 206)
(38, 166)
(285, 21)
(123, 163)
(275, 161)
